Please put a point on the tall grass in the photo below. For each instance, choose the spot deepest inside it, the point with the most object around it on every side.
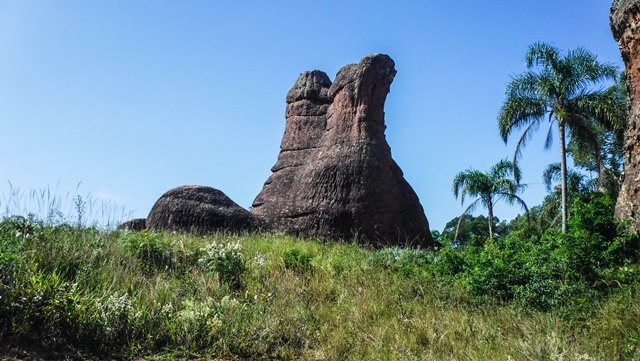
(71, 287)
(52, 206)
(97, 294)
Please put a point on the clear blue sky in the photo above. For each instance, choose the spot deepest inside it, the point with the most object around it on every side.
(133, 98)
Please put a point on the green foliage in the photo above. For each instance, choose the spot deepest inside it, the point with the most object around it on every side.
(490, 187)
(593, 213)
(226, 260)
(20, 228)
(451, 260)
(298, 260)
(158, 252)
(605, 156)
(37, 305)
(472, 229)
(403, 261)
(149, 247)
(111, 322)
(559, 89)
(550, 270)
(331, 301)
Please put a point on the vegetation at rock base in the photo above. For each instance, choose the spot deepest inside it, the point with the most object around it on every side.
(79, 292)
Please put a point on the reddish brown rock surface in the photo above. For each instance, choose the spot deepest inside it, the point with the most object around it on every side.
(198, 209)
(334, 176)
(625, 23)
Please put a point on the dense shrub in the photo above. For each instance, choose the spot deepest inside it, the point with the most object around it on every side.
(20, 228)
(226, 260)
(297, 260)
(159, 252)
(552, 269)
(450, 259)
(149, 247)
(39, 306)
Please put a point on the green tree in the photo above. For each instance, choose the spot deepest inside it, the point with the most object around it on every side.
(605, 157)
(577, 185)
(558, 89)
(470, 229)
(490, 188)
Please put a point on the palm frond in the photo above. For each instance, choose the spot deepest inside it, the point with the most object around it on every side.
(581, 70)
(520, 112)
(542, 54)
(583, 132)
(525, 85)
(489, 187)
(500, 169)
(548, 142)
(522, 142)
(608, 108)
(512, 199)
(587, 66)
(551, 174)
(469, 182)
(515, 199)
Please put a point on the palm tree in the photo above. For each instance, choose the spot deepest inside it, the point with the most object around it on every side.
(489, 188)
(606, 156)
(577, 184)
(559, 90)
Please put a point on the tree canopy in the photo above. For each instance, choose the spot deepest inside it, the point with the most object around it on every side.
(559, 89)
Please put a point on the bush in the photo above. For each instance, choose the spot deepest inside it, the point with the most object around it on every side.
(450, 260)
(199, 324)
(594, 213)
(18, 227)
(551, 270)
(39, 306)
(158, 252)
(149, 247)
(226, 260)
(297, 260)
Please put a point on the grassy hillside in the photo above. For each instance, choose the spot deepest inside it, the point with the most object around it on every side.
(84, 293)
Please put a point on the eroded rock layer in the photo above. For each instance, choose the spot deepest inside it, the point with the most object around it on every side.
(625, 23)
(334, 176)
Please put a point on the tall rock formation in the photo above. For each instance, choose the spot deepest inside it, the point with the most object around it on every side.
(334, 176)
(625, 23)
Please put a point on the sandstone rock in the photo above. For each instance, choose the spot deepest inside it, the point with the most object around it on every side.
(198, 209)
(625, 19)
(334, 176)
(134, 225)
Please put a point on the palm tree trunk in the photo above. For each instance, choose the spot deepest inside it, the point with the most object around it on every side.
(455, 238)
(490, 209)
(601, 174)
(563, 172)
